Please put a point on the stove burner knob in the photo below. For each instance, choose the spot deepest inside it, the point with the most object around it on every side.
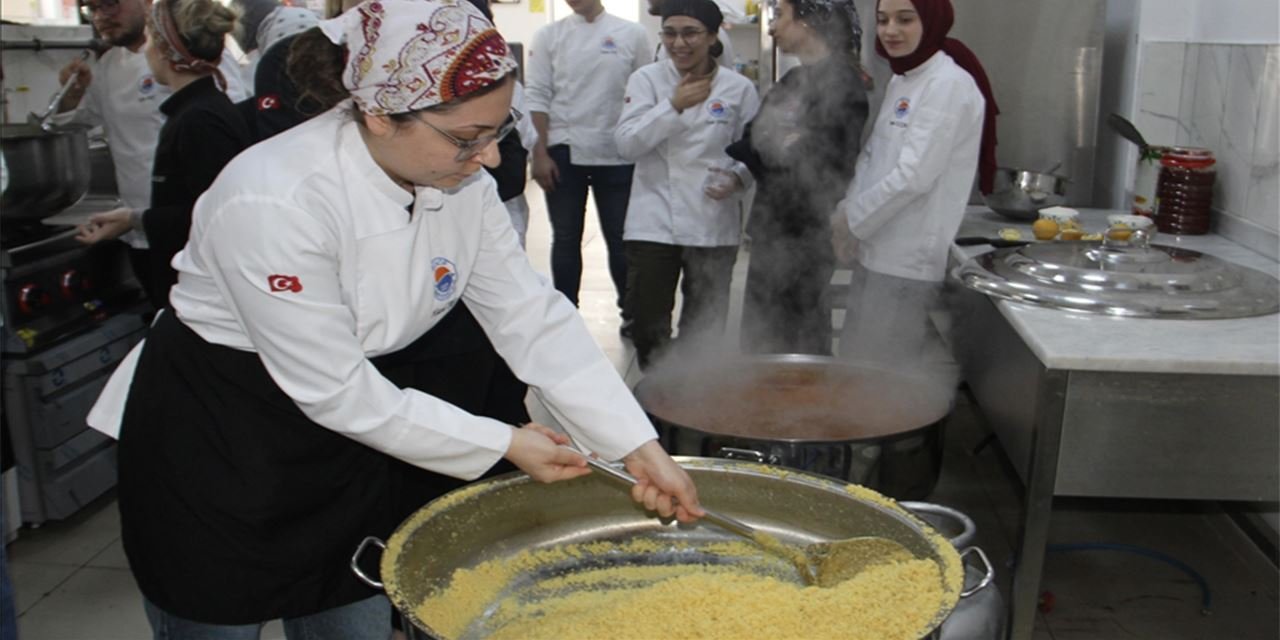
(72, 284)
(31, 298)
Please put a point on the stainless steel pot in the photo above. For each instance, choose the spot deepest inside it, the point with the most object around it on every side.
(877, 428)
(47, 171)
(982, 616)
(1019, 194)
(501, 517)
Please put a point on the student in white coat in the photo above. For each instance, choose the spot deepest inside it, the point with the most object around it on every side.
(577, 72)
(907, 198)
(726, 56)
(684, 216)
(256, 428)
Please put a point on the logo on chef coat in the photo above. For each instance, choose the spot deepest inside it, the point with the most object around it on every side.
(446, 277)
(608, 45)
(279, 283)
(147, 85)
(902, 108)
(717, 109)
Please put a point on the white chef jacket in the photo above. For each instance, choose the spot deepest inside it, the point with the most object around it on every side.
(124, 98)
(577, 74)
(673, 152)
(913, 178)
(303, 251)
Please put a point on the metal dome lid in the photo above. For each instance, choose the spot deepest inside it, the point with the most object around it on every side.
(1130, 279)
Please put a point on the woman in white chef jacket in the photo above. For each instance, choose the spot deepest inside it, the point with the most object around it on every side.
(684, 213)
(907, 198)
(255, 429)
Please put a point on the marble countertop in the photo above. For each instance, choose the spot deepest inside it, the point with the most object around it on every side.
(1071, 340)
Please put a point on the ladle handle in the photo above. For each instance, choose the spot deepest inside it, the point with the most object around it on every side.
(622, 477)
(62, 91)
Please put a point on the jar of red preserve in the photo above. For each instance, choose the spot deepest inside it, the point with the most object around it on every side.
(1184, 191)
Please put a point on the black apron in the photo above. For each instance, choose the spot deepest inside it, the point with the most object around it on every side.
(236, 508)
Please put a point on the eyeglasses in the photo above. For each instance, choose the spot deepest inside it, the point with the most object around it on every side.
(468, 149)
(103, 6)
(688, 35)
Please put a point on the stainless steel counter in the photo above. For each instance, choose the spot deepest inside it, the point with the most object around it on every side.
(1119, 407)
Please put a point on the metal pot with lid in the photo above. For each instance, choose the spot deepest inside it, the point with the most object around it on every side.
(1128, 279)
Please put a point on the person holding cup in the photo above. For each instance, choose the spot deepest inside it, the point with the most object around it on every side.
(684, 215)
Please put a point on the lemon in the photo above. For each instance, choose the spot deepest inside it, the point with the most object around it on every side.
(1071, 234)
(1044, 229)
(1009, 233)
(1119, 232)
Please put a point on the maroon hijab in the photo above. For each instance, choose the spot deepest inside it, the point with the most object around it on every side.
(936, 17)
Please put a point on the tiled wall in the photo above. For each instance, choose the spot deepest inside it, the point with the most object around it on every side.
(1225, 98)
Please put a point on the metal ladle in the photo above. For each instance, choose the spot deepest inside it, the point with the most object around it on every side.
(825, 564)
(42, 120)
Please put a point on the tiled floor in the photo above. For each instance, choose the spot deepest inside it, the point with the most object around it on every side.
(73, 581)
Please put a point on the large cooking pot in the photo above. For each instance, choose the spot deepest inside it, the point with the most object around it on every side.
(1019, 194)
(47, 171)
(877, 428)
(498, 519)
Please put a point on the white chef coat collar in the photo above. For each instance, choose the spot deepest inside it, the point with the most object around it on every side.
(354, 147)
(933, 61)
(578, 18)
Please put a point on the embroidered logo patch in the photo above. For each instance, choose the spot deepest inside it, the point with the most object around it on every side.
(147, 85)
(608, 45)
(269, 102)
(280, 283)
(902, 108)
(717, 109)
(446, 277)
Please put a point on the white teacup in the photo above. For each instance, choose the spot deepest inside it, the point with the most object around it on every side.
(1064, 216)
(1129, 221)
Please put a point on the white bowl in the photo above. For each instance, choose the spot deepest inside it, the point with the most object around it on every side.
(1129, 221)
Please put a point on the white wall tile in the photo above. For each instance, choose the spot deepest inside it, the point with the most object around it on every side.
(1263, 203)
(1239, 128)
(1160, 91)
(1212, 64)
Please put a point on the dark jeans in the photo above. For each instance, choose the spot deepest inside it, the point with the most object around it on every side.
(653, 269)
(567, 205)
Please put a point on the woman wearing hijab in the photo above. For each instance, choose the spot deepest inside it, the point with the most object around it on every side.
(202, 132)
(684, 218)
(256, 428)
(907, 199)
(801, 149)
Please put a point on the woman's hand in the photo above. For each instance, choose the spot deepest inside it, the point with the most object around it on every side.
(691, 91)
(662, 485)
(545, 172)
(536, 449)
(843, 241)
(105, 226)
(722, 184)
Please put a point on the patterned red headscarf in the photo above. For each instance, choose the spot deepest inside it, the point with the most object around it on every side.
(407, 55)
(936, 17)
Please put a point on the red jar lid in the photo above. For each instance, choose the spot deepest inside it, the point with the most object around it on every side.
(1188, 157)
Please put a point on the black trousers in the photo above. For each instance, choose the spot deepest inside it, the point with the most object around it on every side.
(653, 270)
(610, 185)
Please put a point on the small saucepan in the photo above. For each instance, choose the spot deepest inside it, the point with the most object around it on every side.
(1020, 194)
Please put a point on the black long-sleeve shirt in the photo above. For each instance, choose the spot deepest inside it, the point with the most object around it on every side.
(802, 147)
(202, 133)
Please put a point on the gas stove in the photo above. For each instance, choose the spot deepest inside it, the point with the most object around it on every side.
(55, 287)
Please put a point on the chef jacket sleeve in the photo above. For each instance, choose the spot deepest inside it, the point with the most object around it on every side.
(540, 74)
(925, 154)
(277, 268)
(647, 119)
(541, 336)
(89, 111)
(204, 143)
(528, 133)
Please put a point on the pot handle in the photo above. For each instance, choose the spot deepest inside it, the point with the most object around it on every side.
(750, 455)
(970, 529)
(986, 578)
(355, 560)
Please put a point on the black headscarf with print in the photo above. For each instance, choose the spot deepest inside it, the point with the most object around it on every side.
(704, 11)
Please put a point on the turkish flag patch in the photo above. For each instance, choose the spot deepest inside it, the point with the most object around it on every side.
(284, 283)
(269, 102)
